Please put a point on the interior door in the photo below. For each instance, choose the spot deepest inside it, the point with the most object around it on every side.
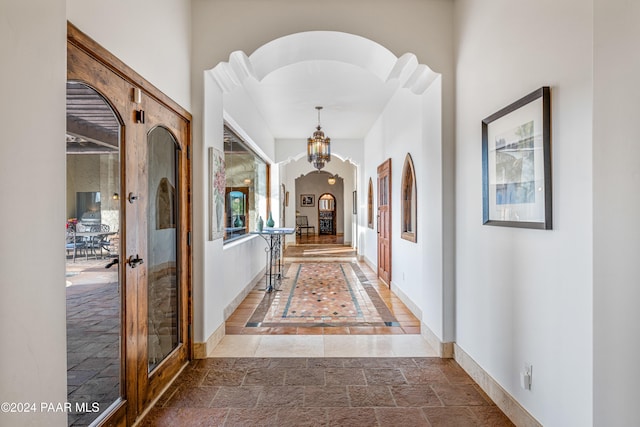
(145, 197)
(384, 222)
(158, 251)
(327, 214)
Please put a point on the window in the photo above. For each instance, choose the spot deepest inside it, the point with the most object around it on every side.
(370, 204)
(409, 205)
(246, 188)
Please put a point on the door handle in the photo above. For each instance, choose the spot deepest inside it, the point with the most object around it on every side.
(134, 262)
(112, 263)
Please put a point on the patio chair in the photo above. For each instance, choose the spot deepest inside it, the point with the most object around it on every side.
(74, 243)
(100, 241)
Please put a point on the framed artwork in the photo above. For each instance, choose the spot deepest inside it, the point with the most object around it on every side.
(307, 200)
(355, 202)
(516, 163)
(217, 185)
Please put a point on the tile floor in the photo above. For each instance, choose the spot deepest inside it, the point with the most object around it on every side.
(328, 296)
(93, 336)
(324, 391)
(319, 374)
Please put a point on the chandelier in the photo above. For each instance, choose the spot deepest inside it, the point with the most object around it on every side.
(319, 147)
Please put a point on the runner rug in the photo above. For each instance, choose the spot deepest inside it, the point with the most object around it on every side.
(323, 295)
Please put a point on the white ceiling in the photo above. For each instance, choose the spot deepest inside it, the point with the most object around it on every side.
(352, 99)
(351, 77)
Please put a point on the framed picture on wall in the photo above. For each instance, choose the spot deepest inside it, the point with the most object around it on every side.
(217, 183)
(355, 202)
(307, 200)
(516, 163)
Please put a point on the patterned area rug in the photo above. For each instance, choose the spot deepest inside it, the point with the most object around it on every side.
(323, 294)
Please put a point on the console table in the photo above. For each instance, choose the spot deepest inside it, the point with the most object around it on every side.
(273, 237)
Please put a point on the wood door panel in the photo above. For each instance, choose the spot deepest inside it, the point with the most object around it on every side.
(384, 222)
(150, 384)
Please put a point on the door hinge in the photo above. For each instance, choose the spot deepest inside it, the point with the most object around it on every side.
(188, 152)
(189, 331)
(188, 238)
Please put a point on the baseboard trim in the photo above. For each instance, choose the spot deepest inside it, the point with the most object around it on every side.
(443, 349)
(507, 403)
(413, 308)
(202, 349)
(228, 310)
(370, 263)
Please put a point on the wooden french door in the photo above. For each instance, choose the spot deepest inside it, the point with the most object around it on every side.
(384, 222)
(153, 197)
(157, 181)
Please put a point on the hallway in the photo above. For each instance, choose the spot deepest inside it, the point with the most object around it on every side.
(318, 374)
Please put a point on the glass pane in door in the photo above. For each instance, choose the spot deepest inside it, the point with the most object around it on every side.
(162, 245)
(94, 327)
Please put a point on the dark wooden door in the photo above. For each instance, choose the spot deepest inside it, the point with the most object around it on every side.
(384, 222)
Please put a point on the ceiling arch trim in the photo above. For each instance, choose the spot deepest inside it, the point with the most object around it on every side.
(301, 155)
(323, 46)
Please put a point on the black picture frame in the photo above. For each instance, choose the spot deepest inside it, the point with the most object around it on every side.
(307, 200)
(516, 164)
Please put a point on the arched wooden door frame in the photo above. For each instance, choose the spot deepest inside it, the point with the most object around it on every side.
(334, 217)
(140, 105)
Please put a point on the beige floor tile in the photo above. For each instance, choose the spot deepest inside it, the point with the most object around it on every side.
(237, 346)
(411, 346)
(291, 346)
(357, 346)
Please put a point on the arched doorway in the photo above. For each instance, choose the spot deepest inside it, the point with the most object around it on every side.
(356, 81)
(327, 214)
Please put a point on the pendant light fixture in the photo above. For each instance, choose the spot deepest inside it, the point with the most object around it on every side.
(319, 147)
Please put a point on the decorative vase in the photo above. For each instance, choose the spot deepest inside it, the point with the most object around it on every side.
(237, 222)
(260, 224)
(270, 221)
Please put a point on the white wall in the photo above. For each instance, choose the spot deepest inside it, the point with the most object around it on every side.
(616, 235)
(225, 270)
(153, 37)
(410, 124)
(243, 116)
(525, 296)
(33, 359)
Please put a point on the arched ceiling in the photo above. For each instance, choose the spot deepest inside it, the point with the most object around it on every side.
(351, 77)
